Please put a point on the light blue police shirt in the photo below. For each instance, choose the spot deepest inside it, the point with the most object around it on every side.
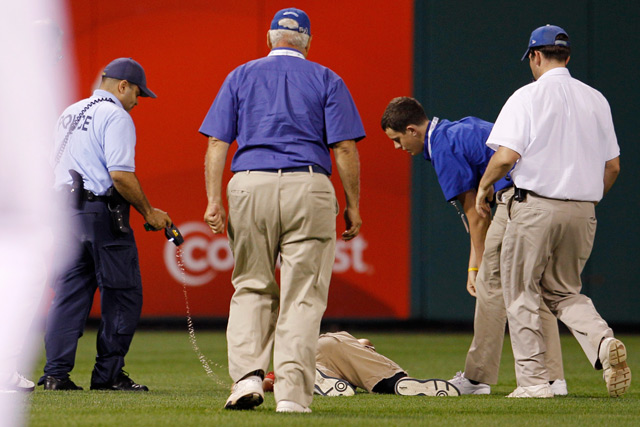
(283, 111)
(104, 140)
(459, 154)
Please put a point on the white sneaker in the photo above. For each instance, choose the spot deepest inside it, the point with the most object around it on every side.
(617, 374)
(17, 382)
(246, 394)
(541, 390)
(559, 388)
(290, 406)
(465, 386)
(331, 386)
(408, 386)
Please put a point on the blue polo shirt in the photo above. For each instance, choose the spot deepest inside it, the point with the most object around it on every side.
(458, 152)
(283, 111)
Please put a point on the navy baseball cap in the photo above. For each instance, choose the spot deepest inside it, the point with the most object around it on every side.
(303, 25)
(546, 36)
(129, 70)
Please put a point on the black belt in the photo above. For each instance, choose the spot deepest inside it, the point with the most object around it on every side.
(90, 197)
(315, 168)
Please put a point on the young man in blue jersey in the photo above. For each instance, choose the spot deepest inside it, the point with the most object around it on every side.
(458, 152)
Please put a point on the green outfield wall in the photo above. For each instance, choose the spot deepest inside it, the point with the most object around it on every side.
(467, 63)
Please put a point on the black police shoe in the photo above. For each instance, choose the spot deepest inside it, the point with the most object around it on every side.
(51, 383)
(122, 383)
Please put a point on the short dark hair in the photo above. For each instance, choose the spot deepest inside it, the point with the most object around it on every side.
(402, 112)
(556, 52)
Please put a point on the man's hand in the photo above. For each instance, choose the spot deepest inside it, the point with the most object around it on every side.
(500, 164)
(353, 221)
(471, 282)
(158, 219)
(216, 217)
(484, 196)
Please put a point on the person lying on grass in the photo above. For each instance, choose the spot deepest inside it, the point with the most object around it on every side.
(344, 363)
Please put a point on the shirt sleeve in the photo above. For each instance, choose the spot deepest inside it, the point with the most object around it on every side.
(612, 149)
(512, 126)
(120, 143)
(222, 119)
(342, 120)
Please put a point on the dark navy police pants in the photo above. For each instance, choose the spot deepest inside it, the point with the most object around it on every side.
(106, 261)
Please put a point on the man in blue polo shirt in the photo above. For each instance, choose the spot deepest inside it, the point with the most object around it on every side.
(285, 113)
(458, 152)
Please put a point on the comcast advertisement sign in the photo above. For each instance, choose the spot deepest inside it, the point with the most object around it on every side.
(371, 273)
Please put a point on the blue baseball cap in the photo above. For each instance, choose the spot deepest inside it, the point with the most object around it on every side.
(546, 36)
(302, 23)
(129, 70)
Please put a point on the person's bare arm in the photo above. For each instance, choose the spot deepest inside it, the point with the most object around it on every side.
(478, 227)
(129, 187)
(611, 171)
(348, 165)
(215, 159)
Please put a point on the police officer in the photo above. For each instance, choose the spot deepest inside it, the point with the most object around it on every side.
(94, 163)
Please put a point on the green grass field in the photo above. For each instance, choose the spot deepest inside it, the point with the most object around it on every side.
(182, 394)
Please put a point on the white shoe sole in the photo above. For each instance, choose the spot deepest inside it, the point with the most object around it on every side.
(619, 378)
(433, 387)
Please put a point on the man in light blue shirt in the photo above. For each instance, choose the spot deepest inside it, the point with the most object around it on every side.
(94, 163)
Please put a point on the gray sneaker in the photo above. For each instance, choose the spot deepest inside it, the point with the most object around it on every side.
(408, 386)
(331, 386)
(466, 387)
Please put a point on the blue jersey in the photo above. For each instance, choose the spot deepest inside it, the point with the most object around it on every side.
(459, 154)
(104, 140)
(283, 111)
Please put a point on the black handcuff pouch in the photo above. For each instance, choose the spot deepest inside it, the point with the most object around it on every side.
(77, 190)
(119, 210)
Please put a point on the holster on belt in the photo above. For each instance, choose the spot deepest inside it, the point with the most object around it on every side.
(520, 195)
(77, 190)
(119, 210)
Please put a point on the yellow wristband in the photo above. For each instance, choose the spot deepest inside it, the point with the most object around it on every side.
(473, 269)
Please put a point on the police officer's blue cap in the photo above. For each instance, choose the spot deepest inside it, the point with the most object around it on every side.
(546, 36)
(302, 23)
(129, 70)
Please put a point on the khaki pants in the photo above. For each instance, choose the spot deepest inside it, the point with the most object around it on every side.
(546, 245)
(483, 358)
(292, 215)
(341, 355)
